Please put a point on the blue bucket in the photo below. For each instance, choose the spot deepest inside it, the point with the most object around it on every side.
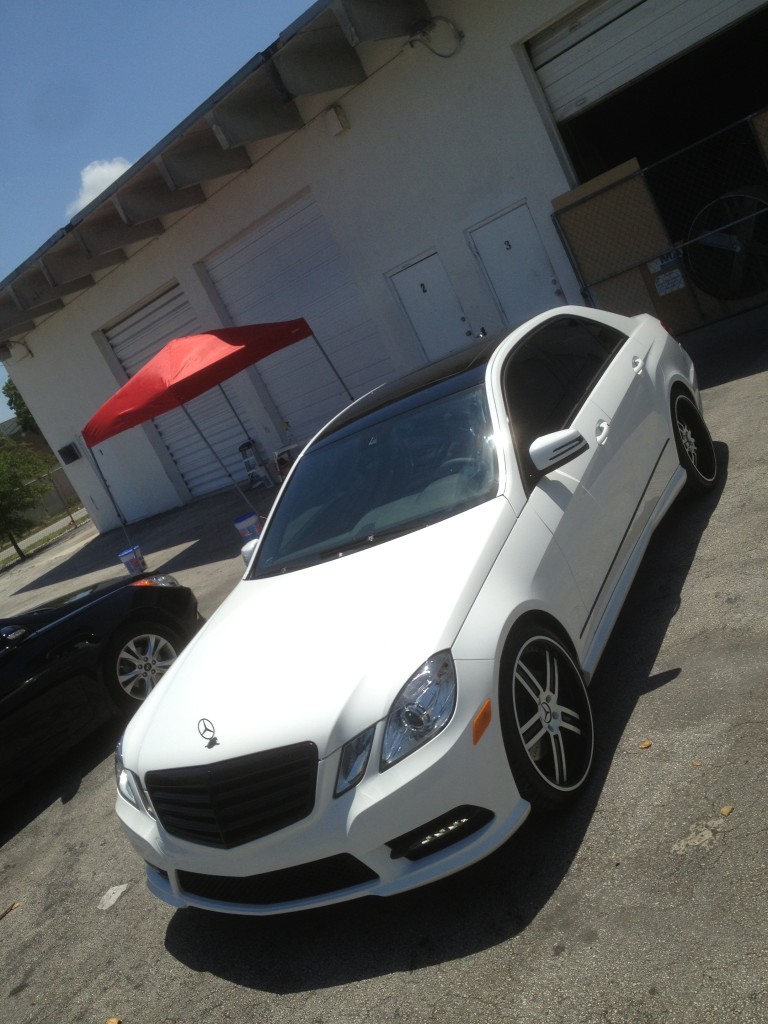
(248, 526)
(133, 560)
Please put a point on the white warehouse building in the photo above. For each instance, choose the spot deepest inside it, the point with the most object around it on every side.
(400, 174)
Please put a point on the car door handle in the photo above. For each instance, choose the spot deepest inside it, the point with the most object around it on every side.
(601, 431)
(638, 364)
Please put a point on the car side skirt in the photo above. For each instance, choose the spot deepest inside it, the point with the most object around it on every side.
(593, 651)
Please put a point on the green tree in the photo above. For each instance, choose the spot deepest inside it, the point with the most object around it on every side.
(19, 408)
(20, 488)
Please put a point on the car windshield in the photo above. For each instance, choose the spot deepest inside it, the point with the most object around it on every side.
(410, 464)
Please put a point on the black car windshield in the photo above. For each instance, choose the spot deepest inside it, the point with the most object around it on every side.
(417, 461)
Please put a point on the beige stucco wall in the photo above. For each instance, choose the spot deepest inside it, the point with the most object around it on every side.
(434, 147)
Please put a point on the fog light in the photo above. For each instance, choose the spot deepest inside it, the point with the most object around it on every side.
(440, 833)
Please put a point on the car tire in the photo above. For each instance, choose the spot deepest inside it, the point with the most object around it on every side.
(136, 658)
(694, 444)
(546, 718)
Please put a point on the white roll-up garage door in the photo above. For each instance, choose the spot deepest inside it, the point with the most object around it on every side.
(603, 46)
(218, 413)
(292, 267)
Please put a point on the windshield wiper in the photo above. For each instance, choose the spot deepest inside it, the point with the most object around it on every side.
(328, 554)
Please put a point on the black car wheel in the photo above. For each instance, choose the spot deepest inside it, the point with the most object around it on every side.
(137, 658)
(694, 444)
(546, 719)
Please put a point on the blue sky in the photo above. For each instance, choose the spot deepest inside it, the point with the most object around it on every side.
(89, 86)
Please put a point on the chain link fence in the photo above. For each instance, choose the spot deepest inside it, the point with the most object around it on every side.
(56, 512)
(685, 239)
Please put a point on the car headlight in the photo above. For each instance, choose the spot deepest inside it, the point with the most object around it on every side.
(156, 580)
(126, 783)
(421, 710)
(354, 761)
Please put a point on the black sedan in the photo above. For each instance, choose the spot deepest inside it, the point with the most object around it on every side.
(71, 664)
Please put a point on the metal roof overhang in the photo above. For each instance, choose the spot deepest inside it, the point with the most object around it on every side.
(315, 54)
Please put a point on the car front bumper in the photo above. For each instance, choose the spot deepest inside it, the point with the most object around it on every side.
(447, 805)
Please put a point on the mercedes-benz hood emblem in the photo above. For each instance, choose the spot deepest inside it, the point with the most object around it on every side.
(207, 730)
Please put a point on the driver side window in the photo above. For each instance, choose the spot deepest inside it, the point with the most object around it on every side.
(549, 376)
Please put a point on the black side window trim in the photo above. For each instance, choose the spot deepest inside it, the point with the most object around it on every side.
(608, 338)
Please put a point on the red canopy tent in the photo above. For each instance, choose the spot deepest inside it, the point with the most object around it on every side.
(185, 368)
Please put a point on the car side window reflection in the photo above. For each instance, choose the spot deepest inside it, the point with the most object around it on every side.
(550, 374)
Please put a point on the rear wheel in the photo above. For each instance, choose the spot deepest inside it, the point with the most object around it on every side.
(137, 658)
(694, 444)
(546, 719)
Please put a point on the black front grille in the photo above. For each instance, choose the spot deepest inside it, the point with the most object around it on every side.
(233, 802)
(333, 874)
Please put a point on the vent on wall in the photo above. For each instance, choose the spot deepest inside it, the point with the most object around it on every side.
(69, 454)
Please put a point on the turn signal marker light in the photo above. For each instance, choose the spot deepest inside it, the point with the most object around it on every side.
(481, 722)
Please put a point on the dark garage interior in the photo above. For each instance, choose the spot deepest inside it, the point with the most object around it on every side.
(707, 89)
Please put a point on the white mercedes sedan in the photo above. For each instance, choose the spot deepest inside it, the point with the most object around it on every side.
(403, 671)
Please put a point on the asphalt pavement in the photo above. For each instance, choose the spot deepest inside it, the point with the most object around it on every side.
(645, 903)
(198, 543)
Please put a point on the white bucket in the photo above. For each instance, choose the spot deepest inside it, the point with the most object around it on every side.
(248, 526)
(133, 560)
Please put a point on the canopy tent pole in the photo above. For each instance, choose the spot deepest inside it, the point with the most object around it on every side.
(215, 454)
(234, 411)
(327, 358)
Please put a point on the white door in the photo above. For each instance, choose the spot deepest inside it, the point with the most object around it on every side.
(516, 263)
(432, 306)
(596, 505)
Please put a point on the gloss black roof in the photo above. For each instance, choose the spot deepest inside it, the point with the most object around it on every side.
(475, 357)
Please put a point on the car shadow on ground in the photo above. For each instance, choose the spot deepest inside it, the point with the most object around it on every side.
(184, 538)
(729, 350)
(60, 783)
(498, 898)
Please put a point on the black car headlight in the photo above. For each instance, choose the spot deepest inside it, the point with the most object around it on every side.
(163, 579)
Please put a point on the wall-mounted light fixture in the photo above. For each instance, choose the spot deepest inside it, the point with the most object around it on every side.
(5, 349)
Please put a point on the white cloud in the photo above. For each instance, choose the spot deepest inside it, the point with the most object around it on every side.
(94, 178)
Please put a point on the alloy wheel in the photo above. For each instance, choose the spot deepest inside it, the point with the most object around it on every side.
(142, 662)
(552, 714)
(694, 444)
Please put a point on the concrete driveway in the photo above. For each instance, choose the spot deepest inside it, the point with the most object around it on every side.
(646, 903)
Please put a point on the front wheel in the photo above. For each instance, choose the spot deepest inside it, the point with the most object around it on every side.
(137, 658)
(546, 719)
(694, 445)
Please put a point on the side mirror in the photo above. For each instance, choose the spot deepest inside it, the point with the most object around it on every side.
(551, 451)
(248, 549)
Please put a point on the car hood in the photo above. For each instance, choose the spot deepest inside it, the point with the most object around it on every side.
(34, 618)
(318, 654)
